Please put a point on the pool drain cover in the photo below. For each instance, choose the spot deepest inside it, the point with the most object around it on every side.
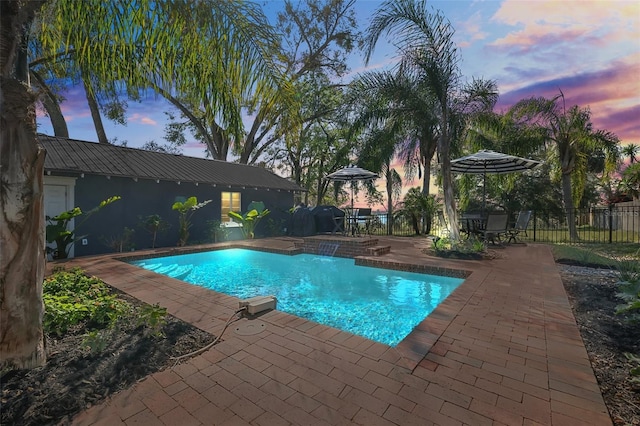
(250, 328)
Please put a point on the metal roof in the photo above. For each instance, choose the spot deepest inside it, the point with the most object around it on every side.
(73, 156)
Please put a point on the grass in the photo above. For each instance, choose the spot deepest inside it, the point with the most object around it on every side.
(590, 235)
(597, 254)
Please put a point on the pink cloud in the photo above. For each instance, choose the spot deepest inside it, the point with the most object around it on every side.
(561, 35)
(142, 119)
(471, 30)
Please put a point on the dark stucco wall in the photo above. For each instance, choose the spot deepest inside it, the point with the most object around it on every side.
(146, 197)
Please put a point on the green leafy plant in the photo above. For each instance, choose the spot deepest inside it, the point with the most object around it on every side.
(153, 318)
(186, 209)
(72, 298)
(217, 231)
(276, 228)
(58, 234)
(629, 285)
(470, 248)
(635, 369)
(249, 220)
(96, 340)
(153, 224)
(121, 243)
(418, 208)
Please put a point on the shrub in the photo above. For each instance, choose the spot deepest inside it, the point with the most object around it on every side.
(249, 220)
(629, 285)
(185, 210)
(153, 318)
(72, 298)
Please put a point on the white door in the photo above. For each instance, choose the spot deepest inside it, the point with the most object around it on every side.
(55, 200)
(58, 198)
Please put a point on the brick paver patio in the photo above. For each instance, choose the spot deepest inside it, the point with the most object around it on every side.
(503, 349)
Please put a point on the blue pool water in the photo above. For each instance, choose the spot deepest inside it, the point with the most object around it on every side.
(380, 304)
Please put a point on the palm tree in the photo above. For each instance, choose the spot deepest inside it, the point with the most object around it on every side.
(402, 103)
(630, 151)
(428, 52)
(571, 133)
(631, 180)
(376, 154)
(130, 41)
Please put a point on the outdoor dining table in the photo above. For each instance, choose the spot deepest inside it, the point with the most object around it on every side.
(472, 224)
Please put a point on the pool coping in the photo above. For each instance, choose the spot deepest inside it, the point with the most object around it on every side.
(413, 348)
(408, 353)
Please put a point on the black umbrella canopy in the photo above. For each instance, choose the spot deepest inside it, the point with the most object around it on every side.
(487, 161)
(351, 173)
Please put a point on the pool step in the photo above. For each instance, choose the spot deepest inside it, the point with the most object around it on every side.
(340, 246)
(378, 250)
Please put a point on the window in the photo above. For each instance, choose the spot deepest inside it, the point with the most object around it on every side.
(230, 202)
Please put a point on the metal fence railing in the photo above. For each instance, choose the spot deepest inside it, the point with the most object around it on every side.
(603, 224)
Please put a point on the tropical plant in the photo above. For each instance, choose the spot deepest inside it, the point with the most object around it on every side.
(630, 151)
(153, 224)
(472, 248)
(57, 231)
(404, 107)
(628, 272)
(185, 210)
(430, 57)
(419, 208)
(250, 219)
(630, 182)
(571, 133)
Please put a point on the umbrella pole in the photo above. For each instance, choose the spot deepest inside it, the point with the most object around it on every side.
(351, 219)
(484, 191)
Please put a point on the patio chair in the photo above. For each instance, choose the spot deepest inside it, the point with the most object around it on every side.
(521, 225)
(362, 217)
(497, 224)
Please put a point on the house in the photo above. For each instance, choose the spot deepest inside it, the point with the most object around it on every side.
(82, 174)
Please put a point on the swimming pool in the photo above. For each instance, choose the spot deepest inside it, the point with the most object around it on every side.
(379, 304)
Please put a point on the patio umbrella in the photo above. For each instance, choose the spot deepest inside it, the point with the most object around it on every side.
(486, 161)
(351, 174)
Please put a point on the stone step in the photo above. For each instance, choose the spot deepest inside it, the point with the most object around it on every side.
(378, 250)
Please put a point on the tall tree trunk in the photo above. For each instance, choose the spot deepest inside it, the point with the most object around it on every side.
(21, 229)
(389, 200)
(52, 106)
(444, 147)
(427, 151)
(570, 211)
(95, 112)
(22, 258)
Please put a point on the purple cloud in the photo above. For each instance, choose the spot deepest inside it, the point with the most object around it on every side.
(611, 94)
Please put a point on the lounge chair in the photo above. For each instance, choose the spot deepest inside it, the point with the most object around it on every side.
(520, 226)
(497, 224)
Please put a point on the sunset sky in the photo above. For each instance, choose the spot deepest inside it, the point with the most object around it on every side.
(588, 49)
